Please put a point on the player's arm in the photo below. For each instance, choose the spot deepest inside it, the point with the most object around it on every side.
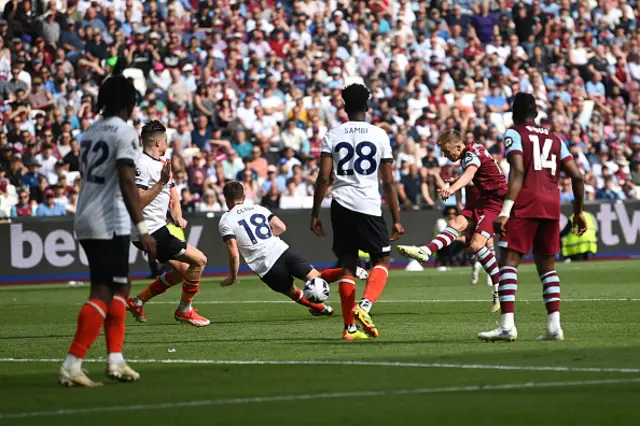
(277, 225)
(462, 181)
(148, 194)
(570, 167)
(322, 184)
(175, 209)
(513, 151)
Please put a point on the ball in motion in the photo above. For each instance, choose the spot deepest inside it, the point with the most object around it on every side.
(316, 290)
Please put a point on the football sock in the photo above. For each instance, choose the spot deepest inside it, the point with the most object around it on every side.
(351, 328)
(189, 290)
(160, 285)
(347, 290)
(490, 265)
(507, 294)
(116, 358)
(443, 239)
(492, 249)
(90, 320)
(331, 275)
(551, 294)
(375, 285)
(114, 324)
(299, 298)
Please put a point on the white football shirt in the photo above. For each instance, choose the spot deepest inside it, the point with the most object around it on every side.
(148, 171)
(357, 149)
(249, 225)
(101, 213)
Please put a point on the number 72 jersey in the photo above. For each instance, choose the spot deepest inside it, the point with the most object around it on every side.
(542, 153)
(101, 213)
(249, 226)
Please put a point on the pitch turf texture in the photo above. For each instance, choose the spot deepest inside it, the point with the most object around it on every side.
(266, 361)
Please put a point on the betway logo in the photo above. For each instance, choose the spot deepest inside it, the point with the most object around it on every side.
(59, 247)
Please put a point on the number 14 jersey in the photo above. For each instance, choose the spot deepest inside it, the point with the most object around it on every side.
(542, 153)
(249, 226)
(358, 148)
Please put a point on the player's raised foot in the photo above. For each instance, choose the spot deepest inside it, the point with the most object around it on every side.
(135, 307)
(361, 274)
(365, 321)
(495, 307)
(552, 335)
(192, 317)
(475, 272)
(76, 377)
(354, 335)
(122, 372)
(326, 312)
(414, 252)
(499, 335)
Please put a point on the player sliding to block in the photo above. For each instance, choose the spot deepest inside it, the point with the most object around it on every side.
(107, 204)
(481, 169)
(359, 152)
(531, 215)
(254, 232)
(158, 195)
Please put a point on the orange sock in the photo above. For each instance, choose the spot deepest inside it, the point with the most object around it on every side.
(299, 298)
(331, 275)
(160, 285)
(114, 324)
(189, 290)
(90, 322)
(347, 289)
(375, 283)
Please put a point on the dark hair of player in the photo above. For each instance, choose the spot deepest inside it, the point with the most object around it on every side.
(117, 95)
(233, 191)
(356, 97)
(524, 108)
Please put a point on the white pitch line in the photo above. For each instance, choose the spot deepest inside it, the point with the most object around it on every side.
(287, 398)
(556, 368)
(258, 302)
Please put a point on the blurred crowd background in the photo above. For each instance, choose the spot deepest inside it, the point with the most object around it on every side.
(248, 88)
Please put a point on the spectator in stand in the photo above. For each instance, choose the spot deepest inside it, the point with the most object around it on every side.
(241, 145)
(33, 175)
(49, 207)
(8, 198)
(23, 207)
(609, 191)
(48, 162)
(210, 202)
(566, 194)
(294, 137)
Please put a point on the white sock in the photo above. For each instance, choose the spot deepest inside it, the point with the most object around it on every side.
(138, 302)
(506, 321)
(116, 357)
(184, 307)
(425, 250)
(72, 362)
(554, 321)
(495, 288)
(366, 305)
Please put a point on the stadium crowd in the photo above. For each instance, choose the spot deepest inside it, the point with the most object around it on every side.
(248, 88)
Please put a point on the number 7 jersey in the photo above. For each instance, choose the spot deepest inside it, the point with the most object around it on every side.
(249, 226)
(357, 149)
(101, 213)
(543, 154)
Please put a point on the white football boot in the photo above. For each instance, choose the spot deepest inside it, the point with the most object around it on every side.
(76, 377)
(499, 335)
(549, 335)
(122, 372)
(475, 272)
(414, 252)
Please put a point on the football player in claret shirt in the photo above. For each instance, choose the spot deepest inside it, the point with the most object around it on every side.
(481, 169)
(530, 217)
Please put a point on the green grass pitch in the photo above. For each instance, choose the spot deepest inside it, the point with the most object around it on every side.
(427, 367)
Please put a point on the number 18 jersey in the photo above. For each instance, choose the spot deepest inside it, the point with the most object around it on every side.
(543, 153)
(358, 148)
(249, 226)
(101, 213)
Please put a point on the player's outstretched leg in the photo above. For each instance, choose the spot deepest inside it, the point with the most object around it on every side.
(347, 290)
(480, 252)
(507, 289)
(492, 249)
(443, 239)
(316, 309)
(551, 294)
(190, 286)
(114, 330)
(332, 275)
(375, 285)
(156, 288)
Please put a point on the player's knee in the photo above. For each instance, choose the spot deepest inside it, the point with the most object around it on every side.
(474, 247)
(459, 223)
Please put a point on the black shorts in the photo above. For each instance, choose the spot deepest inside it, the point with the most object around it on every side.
(289, 265)
(353, 231)
(168, 246)
(108, 260)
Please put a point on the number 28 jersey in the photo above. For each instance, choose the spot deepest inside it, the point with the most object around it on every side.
(358, 148)
(101, 213)
(543, 153)
(249, 226)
